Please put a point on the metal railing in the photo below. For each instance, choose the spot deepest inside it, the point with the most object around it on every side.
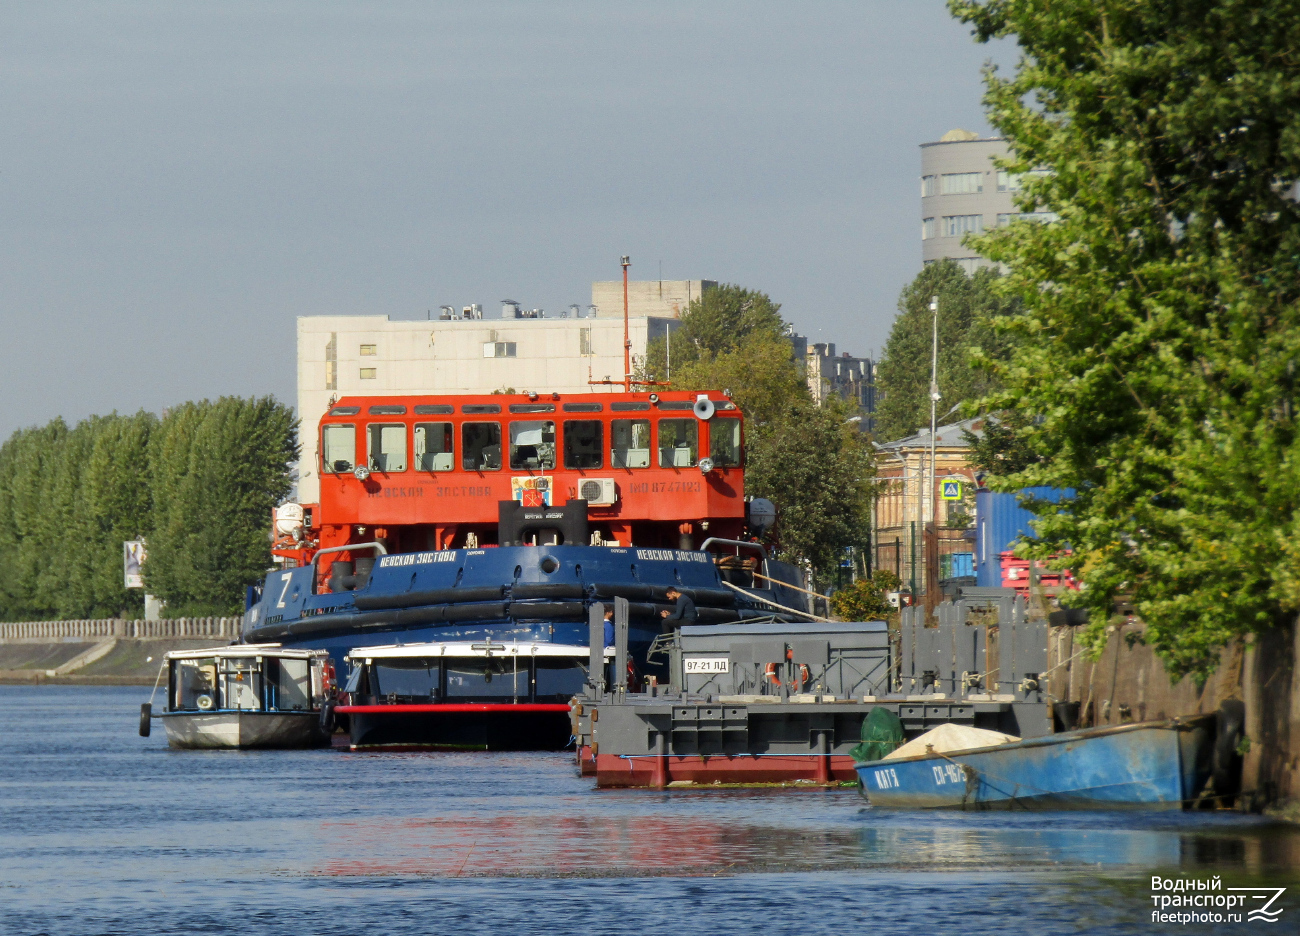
(104, 628)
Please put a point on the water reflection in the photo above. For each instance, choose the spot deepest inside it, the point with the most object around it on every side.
(669, 843)
(190, 836)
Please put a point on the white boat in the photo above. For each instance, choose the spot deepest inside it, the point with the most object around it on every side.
(245, 696)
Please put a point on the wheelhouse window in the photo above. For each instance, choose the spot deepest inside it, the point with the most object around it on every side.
(480, 446)
(532, 445)
(408, 680)
(558, 679)
(195, 685)
(292, 684)
(629, 443)
(433, 447)
(339, 448)
(679, 443)
(584, 443)
(243, 689)
(490, 678)
(724, 442)
(387, 446)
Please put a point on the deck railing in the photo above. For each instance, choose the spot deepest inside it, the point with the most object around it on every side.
(104, 628)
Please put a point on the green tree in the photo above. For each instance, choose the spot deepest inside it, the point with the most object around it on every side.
(218, 470)
(1154, 359)
(818, 470)
(732, 339)
(116, 507)
(809, 461)
(200, 485)
(721, 320)
(966, 305)
(28, 531)
(866, 599)
(998, 448)
(68, 499)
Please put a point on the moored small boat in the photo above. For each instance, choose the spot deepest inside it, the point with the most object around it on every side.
(1145, 765)
(487, 696)
(245, 696)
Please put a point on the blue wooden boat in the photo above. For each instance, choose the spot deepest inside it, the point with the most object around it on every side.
(1146, 765)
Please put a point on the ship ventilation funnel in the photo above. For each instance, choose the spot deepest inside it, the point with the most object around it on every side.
(342, 577)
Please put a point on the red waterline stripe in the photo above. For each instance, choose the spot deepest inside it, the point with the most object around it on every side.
(452, 707)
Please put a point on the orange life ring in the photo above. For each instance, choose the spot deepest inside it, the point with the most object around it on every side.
(770, 673)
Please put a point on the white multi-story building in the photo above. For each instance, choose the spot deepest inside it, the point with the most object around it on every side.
(963, 192)
(371, 355)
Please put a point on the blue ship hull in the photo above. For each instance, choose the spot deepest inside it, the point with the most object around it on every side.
(1148, 765)
(501, 594)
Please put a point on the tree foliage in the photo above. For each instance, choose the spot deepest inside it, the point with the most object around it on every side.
(723, 320)
(817, 468)
(866, 599)
(199, 485)
(966, 305)
(221, 467)
(999, 448)
(808, 460)
(1154, 359)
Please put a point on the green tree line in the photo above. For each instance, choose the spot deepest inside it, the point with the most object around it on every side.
(1157, 329)
(967, 306)
(809, 460)
(198, 484)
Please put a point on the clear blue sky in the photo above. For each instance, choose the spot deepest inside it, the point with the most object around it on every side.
(179, 181)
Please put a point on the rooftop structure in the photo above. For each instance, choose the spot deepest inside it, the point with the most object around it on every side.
(853, 378)
(664, 298)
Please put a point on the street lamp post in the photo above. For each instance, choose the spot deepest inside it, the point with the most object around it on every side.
(934, 402)
(934, 430)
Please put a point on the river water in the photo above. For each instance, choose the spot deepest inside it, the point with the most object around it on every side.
(102, 831)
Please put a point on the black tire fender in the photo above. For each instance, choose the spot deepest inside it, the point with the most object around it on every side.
(146, 719)
(327, 718)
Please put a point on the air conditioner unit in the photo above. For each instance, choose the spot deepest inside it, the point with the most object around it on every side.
(598, 491)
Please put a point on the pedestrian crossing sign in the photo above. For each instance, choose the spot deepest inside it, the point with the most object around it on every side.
(951, 490)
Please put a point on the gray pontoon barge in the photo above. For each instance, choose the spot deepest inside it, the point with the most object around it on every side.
(780, 702)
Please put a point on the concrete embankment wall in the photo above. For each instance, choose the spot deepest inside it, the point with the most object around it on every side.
(102, 652)
(1272, 696)
(1128, 682)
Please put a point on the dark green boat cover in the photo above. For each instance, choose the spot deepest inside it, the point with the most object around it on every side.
(882, 733)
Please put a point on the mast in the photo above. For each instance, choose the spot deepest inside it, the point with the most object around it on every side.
(627, 339)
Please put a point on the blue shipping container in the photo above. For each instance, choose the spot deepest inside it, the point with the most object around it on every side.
(956, 565)
(999, 522)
